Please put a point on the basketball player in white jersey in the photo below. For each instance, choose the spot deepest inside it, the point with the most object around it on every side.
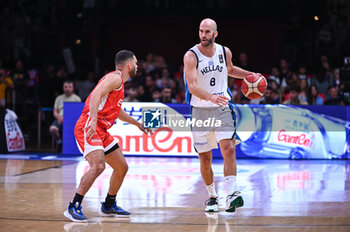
(207, 67)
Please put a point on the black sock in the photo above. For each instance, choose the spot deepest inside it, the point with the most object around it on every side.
(78, 198)
(110, 199)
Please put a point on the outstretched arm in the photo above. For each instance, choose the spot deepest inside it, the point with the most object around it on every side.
(190, 63)
(127, 118)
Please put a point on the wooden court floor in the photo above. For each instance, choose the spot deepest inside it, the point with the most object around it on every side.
(167, 194)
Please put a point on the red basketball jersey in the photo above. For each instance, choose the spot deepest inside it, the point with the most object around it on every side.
(110, 105)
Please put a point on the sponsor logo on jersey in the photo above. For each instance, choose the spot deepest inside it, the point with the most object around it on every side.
(221, 59)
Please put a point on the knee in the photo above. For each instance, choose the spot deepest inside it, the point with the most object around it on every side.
(205, 162)
(228, 150)
(125, 169)
(53, 130)
(98, 168)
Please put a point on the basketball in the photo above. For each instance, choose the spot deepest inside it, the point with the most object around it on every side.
(254, 86)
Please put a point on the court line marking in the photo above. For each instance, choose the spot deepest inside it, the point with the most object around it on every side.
(43, 169)
(181, 224)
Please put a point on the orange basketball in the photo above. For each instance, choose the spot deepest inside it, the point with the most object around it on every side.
(254, 86)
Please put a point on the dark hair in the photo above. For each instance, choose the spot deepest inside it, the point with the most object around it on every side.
(274, 91)
(132, 86)
(156, 89)
(123, 56)
(68, 82)
(310, 98)
(331, 87)
(295, 88)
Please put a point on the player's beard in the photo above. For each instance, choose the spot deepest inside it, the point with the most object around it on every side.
(132, 72)
(210, 41)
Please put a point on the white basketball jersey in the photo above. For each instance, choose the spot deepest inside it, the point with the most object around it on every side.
(211, 76)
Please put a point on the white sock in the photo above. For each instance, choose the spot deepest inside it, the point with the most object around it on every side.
(211, 190)
(230, 184)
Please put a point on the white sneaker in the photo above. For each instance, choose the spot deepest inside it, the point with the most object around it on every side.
(212, 205)
(234, 201)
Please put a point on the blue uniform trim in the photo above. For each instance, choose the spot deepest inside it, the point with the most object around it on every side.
(230, 94)
(223, 49)
(234, 121)
(188, 95)
(191, 130)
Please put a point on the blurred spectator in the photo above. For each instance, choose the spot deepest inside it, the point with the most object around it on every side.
(273, 84)
(293, 80)
(150, 85)
(319, 80)
(275, 75)
(20, 79)
(6, 84)
(67, 96)
(275, 97)
(285, 72)
(303, 90)
(60, 78)
(294, 97)
(333, 97)
(328, 73)
(32, 86)
(270, 96)
(336, 80)
(85, 86)
(323, 59)
(243, 61)
(312, 96)
(166, 95)
(302, 73)
(165, 79)
(159, 62)
(141, 94)
(156, 95)
(147, 65)
(131, 92)
(179, 79)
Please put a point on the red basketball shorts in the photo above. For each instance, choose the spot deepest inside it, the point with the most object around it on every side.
(101, 140)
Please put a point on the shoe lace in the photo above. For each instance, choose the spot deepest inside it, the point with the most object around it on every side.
(116, 207)
(77, 206)
(234, 194)
(212, 201)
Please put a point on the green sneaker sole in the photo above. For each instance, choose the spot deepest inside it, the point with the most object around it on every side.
(211, 211)
(236, 203)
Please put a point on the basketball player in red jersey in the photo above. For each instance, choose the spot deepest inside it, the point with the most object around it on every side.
(102, 108)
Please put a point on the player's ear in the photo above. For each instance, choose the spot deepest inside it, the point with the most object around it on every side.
(216, 34)
(129, 65)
